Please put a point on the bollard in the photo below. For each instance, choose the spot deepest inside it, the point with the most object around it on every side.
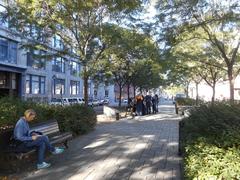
(176, 108)
(117, 116)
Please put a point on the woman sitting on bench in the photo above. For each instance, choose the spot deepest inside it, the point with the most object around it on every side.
(34, 139)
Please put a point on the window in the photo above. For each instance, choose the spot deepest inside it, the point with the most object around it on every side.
(74, 87)
(57, 42)
(58, 65)
(3, 49)
(59, 86)
(8, 51)
(12, 52)
(28, 84)
(35, 62)
(75, 68)
(106, 83)
(4, 80)
(14, 81)
(35, 84)
(106, 93)
(95, 92)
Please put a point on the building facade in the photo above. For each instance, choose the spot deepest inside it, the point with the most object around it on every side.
(28, 77)
(222, 90)
(24, 74)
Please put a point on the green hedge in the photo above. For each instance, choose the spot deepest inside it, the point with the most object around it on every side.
(77, 118)
(12, 109)
(187, 101)
(210, 141)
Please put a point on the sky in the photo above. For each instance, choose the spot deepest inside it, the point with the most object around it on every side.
(150, 11)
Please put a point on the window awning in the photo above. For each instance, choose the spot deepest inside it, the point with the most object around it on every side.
(12, 68)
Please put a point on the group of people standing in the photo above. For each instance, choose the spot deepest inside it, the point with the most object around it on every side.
(142, 105)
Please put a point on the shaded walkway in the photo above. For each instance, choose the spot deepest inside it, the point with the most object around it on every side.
(141, 148)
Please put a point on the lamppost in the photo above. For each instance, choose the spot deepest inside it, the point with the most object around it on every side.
(61, 93)
(53, 85)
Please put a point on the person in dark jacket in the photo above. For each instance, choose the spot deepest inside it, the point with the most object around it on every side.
(148, 100)
(157, 101)
(34, 139)
(154, 101)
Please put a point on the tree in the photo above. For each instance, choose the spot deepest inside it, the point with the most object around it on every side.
(147, 75)
(80, 25)
(218, 19)
(211, 75)
(193, 60)
(126, 48)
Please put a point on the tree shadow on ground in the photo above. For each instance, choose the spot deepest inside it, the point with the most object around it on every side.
(141, 148)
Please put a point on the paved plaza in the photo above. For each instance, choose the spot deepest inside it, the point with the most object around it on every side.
(141, 148)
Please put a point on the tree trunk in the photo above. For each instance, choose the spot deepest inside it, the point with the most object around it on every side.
(134, 91)
(128, 92)
(214, 92)
(197, 95)
(231, 85)
(85, 82)
(120, 96)
(187, 88)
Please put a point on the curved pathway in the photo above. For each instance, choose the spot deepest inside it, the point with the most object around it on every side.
(140, 148)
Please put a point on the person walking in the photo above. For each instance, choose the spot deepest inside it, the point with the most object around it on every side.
(34, 139)
(139, 104)
(148, 100)
(157, 101)
(143, 106)
(154, 101)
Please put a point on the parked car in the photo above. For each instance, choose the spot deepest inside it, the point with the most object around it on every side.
(125, 101)
(95, 102)
(72, 100)
(55, 102)
(179, 95)
(106, 101)
(101, 102)
(65, 101)
(80, 100)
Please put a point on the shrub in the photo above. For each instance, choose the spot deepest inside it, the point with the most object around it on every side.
(187, 101)
(210, 138)
(11, 109)
(76, 118)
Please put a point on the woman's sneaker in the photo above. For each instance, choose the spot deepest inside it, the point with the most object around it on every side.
(58, 150)
(43, 165)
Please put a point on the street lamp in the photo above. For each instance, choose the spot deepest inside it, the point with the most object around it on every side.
(61, 93)
(53, 85)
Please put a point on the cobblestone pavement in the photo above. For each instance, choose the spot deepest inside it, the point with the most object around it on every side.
(141, 148)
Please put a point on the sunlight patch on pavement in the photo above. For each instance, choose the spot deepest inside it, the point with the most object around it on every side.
(149, 136)
(172, 144)
(96, 144)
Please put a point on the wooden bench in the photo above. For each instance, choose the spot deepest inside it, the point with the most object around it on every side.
(9, 150)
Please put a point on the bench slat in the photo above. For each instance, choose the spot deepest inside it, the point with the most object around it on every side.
(47, 128)
(56, 140)
(49, 131)
(39, 128)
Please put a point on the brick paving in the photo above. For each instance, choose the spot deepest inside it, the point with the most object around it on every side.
(140, 148)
